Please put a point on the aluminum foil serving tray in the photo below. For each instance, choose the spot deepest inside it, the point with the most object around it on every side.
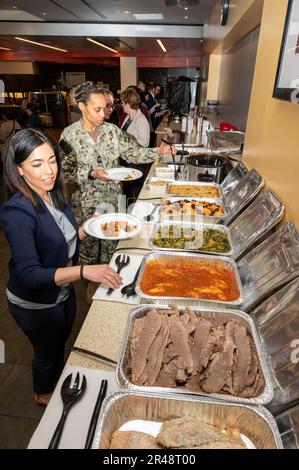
(171, 256)
(196, 184)
(200, 218)
(256, 423)
(187, 225)
(223, 315)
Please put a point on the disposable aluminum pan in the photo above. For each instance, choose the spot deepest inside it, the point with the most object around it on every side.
(194, 183)
(205, 219)
(254, 422)
(225, 261)
(222, 315)
(199, 228)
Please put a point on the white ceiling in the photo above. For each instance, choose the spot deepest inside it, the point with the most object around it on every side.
(199, 11)
(67, 23)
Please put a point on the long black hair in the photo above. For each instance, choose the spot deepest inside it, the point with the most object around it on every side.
(20, 146)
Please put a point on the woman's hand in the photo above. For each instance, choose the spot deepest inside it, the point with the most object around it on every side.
(82, 235)
(102, 273)
(163, 149)
(99, 174)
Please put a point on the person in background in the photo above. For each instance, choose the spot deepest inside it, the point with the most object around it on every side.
(73, 112)
(135, 123)
(33, 119)
(153, 105)
(8, 126)
(138, 129)
(143, 108)
(109, 103)
(90, 147)
(141, 87)
(43, 236)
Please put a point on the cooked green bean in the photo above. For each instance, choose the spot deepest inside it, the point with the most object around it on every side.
(175, 236)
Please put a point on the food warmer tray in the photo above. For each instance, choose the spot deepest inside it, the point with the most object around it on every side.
(209, 314)
(254, 422)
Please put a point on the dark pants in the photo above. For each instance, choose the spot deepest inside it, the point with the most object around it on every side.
(47, 330)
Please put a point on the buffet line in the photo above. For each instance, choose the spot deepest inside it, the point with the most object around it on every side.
(198, 364)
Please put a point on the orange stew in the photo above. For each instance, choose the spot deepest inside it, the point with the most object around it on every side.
(185, 277)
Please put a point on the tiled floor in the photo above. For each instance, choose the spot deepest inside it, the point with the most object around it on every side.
(19, 415)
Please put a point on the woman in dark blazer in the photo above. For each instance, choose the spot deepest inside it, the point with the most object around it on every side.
(43, 236)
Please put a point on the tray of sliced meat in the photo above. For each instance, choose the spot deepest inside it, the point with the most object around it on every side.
(194, 351)
(137, 420)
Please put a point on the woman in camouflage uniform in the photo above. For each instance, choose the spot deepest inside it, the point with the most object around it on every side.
(91, 146)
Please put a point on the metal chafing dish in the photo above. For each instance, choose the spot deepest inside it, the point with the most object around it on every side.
(254, 422)
(225, 315)
(260, 217)
(225, 261)
(242, 194)
(198, 218)
(277, 324)
(187, 225)
(196, 184)
(233, 178)
(269, 266)
(288, 425)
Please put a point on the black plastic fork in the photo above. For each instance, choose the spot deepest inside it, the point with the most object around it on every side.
(70, 396)
(121, 262)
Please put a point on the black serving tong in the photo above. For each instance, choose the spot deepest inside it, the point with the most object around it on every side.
(95, 414)
(173, 157)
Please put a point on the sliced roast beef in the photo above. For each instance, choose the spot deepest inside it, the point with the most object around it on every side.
(200, 339)
(221, 364)
(142, 343)
(243, 353)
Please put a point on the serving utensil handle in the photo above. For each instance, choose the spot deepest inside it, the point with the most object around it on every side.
(58, 431)
(95, 414)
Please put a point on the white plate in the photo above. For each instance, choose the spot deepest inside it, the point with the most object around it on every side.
(123, 174)
(93, 226)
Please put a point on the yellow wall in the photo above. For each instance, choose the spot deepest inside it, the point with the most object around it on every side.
(271, 143)
(214, 76)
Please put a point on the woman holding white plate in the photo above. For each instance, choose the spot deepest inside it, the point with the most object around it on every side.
(90, 147)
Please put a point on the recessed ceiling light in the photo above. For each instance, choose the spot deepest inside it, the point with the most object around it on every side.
(127, 12)
(14, 7)
(186, 8)
(148, 16)
(186, 17)
(102, 45)
(161, 45)
(5, 49)
(40, 44)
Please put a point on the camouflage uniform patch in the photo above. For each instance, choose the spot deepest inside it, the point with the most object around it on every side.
(80, 154)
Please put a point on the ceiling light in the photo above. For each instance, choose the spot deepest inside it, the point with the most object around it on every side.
(127, 12)
(148, 16)
(186, 8)
(186, 17)
(40, 44)
(161, 45)
(14, 7)
(5, 48)
(102, 45)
